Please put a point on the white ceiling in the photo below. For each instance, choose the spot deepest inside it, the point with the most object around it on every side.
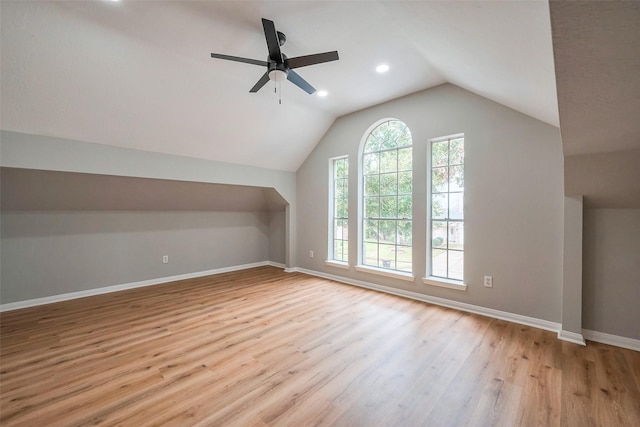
(138, 74)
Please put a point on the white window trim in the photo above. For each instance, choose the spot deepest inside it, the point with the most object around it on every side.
(384, 272)
(360, 209)
(337, 264)
(458, 285)
(331, 238)
(435, 280)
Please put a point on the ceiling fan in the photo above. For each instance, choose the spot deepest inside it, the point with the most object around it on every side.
(279, 67)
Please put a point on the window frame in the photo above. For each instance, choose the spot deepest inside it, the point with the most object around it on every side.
(361, 266)
(430, 279)
(332, 214)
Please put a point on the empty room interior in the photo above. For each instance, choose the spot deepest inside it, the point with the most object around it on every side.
(296, 213)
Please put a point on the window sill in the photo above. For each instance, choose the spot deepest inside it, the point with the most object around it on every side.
(388, 273)
(337, 264)
(445, 283)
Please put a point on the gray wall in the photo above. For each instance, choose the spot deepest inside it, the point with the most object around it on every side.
(51, 253)
(611, 271)
(277, 226)
(513, 202)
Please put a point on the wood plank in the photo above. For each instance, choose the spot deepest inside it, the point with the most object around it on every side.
(262, 347)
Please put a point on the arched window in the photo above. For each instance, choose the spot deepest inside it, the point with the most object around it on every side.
(387, 183)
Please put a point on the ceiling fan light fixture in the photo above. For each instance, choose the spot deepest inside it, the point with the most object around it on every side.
(322, 93)
(277, 76)
(382, 68)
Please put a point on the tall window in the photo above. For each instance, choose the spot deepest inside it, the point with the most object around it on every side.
(447, 208)
(387, 160)
(339, 202)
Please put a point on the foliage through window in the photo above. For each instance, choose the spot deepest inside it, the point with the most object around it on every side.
(447, 208)
(340, 210)
(387, 163)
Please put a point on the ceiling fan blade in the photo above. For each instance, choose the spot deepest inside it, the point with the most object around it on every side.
(263, 81)
(295, 78)
(272, 40)
(318, 58)
(239, 59)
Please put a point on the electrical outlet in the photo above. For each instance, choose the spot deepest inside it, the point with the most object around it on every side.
(310, 254)
(165, 259)
(488, 282)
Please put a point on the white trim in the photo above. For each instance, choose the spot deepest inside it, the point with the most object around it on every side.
(445, 283)
(275, 264)
(571, 337)
(388, 273)
(337, 264)
(115, 288)
(483, 311)
(617, 340)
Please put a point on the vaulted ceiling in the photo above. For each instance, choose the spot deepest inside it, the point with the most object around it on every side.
(138, 74)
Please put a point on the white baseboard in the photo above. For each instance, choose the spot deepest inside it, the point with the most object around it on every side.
(489, 312)
(115, 288)
(616, 340)
(571, 337)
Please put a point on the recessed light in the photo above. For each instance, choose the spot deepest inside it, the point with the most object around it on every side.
(382, 68)
(323, 93)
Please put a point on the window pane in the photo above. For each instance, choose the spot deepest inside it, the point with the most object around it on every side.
(388, 207)
(337, 250)
(456, 235)
(341, 208)
(344, 224)
(387, 256)
(456, 205)
(405, 137)
(371, 207)
(439, 234)
(388, 184)
(404, 232)
(373, 141)
(439, 262)
(370, 163)
(388, 231)
(404, 258)
(371, 230)
(370, 254)
(389, 161)
(339, 188)
(439, 154)
(456, 265)
(439, 206)
(341, 168)
(337, 229)
(456, 178)
(371, 185)
(405, 183)
(390, 137)
(457, 151)
(404, 207)
(439, 177)
(345, 251)
(405, 159)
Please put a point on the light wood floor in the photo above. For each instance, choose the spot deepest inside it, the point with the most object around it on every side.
(264, 348)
